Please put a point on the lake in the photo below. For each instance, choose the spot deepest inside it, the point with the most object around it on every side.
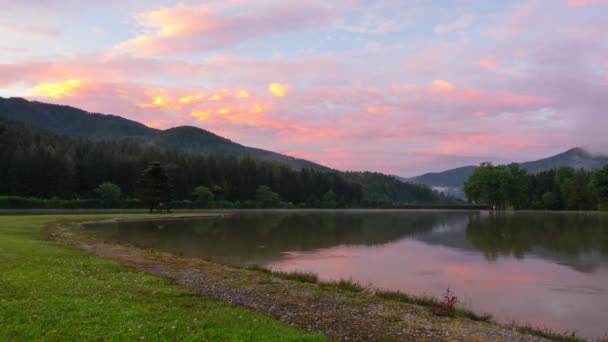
(547, 269)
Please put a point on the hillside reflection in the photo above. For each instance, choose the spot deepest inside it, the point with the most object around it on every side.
(579, 240)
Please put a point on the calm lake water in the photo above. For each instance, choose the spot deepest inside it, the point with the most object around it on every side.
(548, 269)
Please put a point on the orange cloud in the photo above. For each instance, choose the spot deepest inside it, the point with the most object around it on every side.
(57, 90)
(278, 90)
(216, 24)
(376, 110)
(202, 116)
(243, 94)
(190, 99)
(256, 108)
(440, 86)
(152, 124)
(161, 103)
(488, 64)
(223, 111)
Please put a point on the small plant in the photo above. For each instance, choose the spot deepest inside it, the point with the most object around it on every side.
(448, 306)
(429, 301)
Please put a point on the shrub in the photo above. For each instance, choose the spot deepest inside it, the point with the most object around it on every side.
(448, 306)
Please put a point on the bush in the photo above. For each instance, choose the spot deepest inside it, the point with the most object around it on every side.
(17, 202)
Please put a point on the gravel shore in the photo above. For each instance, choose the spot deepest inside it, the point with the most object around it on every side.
(338, 314)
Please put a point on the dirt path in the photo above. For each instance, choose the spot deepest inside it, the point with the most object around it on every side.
(338, 314)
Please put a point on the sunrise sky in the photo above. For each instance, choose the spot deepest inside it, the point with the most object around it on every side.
(403, 87)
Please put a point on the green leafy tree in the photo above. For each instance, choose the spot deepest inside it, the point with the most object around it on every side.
(599, 186)
(154, 189)
(329, 200)
(484, 186)
(267, 197)
(498, 186)
(516, 192)
(563, 180)
(580, 196)
(550, 201)
(108, 192)
(202, 196)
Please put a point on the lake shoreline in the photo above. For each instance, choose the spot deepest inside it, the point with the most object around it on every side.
(52, 291)
(315, 307)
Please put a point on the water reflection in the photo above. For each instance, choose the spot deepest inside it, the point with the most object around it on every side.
(259, 238)
(578, 240)
(547, 268)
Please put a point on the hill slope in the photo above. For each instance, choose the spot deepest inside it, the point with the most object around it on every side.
(453, 180)
(77, 123)
(43, 164)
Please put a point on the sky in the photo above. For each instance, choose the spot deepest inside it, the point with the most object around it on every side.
(398, 86)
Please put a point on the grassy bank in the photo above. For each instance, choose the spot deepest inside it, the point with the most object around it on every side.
(51, 291)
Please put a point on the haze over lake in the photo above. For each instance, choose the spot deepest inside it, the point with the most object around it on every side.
(548, 269)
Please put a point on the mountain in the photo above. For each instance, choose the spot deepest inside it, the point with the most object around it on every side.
(576, 158)
(38, 163)
(76, 123)
(452, 181)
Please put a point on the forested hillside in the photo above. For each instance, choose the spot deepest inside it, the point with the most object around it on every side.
(77, 123)
(453, 180)
(38, 163)
(381, 189)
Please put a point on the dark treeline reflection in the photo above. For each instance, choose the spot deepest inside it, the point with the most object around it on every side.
(261, 238)
(566, 234)
(265, 237)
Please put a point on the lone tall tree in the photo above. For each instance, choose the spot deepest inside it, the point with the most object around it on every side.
(154, 187)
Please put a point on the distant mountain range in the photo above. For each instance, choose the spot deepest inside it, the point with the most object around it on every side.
(47, 127)
(77, 123)
(452, 181)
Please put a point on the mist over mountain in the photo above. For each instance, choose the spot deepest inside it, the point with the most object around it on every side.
(452, 181)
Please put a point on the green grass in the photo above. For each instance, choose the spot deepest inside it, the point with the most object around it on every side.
(347, 285)
(258, 268)
(547, 333)
(302, 277)
(430, 302)
(49, 291)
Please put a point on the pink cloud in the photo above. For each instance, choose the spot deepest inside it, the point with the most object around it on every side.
(206, 27)
(377, 110)
(488, 64)
(441, 86)
(433, 107)
(579, 3)
(397, 89)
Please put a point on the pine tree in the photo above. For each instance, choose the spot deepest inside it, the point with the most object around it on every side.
(154, 190)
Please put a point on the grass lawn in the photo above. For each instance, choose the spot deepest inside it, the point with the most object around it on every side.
(49, 291)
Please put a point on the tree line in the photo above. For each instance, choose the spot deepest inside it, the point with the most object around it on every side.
(564, 188)
(37, 164)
